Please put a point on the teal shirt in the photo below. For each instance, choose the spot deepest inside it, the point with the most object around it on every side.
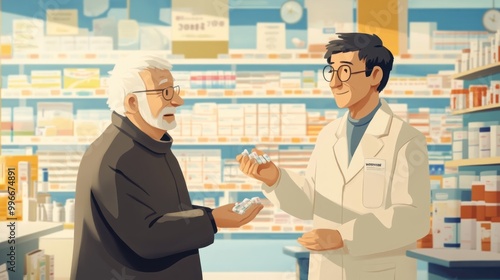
(356, 129)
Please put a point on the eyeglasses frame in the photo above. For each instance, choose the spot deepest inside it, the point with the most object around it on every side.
(357, 72)
(164, 91)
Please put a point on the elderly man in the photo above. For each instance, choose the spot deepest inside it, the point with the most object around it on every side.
(134, 218)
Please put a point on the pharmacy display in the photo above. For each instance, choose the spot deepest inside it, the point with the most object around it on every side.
(250, 82)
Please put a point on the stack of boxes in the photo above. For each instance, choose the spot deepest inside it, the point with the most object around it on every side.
(466, 212)
(475, 96)
(61, 164)
(480, 51)
(477, 140)
(446, 216)
(424, 36)
(238, 120)
(435, 124)
(208, 79)
(200, 167)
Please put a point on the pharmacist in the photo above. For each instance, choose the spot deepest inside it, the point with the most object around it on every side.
(134, 218)
(367, 186)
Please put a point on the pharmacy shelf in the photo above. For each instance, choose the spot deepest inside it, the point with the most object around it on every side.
(473, 162)
(476, 109)
(239, 93)
(478, 72)
(218, 61)
(178, 140)
(443, 52)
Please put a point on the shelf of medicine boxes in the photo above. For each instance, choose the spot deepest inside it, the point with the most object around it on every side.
(100, 93)
(472, 74)
(94, 59)
(476, 109)
(179, 140)
(478, 72)
(473, 162)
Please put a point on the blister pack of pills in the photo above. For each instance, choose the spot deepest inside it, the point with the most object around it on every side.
(259, 159)
(241, 207)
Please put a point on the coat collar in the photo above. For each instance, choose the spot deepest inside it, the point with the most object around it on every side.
(132, 131)
(369, 146)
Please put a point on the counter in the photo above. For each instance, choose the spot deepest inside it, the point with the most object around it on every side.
(26, 237)
(458, 263)
(302, 256)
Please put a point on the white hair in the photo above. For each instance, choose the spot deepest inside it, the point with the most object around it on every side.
(125, 78)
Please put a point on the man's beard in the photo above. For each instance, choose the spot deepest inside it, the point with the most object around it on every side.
(158, 122)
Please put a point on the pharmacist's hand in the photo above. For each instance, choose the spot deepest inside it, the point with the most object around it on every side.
(321, 239)
(225, 217)
(267, 172)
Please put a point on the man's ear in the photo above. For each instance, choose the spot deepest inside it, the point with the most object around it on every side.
(131, 104)
(376, 76)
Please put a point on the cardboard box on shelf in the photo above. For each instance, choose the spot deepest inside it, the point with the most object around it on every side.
(5, 46)
(46, 79)
(6, 121)
(55, 118)
(81, 78)
(23, 121)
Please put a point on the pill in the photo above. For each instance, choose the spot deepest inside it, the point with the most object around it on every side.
(262, 159)
(255, 200)
(256, 157)
(267, 157)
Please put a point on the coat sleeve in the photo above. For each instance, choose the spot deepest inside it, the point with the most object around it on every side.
(408, 217)
(138, 223)
(294, 193)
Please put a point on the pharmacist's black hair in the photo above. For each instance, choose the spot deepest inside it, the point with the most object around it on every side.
(371, 49)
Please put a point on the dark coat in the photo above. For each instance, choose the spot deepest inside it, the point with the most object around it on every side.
(133, 214)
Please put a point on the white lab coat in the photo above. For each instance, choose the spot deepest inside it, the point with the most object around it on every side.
(380, 202)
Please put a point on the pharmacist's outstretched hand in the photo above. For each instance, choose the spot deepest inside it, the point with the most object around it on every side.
(225, 217)
(267, 172)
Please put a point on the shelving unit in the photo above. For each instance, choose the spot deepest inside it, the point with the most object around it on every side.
(179, 140)
(478, 72)
(477, 109)
(473, 162)
(238, 93)
(92, 59)
(225, 192)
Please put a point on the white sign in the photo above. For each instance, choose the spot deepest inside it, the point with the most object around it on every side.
(271, 36)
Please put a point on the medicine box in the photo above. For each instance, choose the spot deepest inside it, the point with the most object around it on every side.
(81, 78)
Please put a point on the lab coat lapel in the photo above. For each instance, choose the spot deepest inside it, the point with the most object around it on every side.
(340, 147)
(371, 142)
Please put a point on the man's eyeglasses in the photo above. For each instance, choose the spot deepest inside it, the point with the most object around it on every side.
(344, 73)
(167, 93)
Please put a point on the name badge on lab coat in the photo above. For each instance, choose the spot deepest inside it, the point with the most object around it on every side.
(373, 182)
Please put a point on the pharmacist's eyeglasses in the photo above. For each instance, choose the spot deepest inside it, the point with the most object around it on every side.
(344, 73)
(167, 93)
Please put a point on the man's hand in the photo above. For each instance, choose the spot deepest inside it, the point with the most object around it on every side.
(321, 239)
(267, 173)
(225, 217)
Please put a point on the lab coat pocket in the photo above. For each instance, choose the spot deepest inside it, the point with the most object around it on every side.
(373, 183)
(384, 271)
